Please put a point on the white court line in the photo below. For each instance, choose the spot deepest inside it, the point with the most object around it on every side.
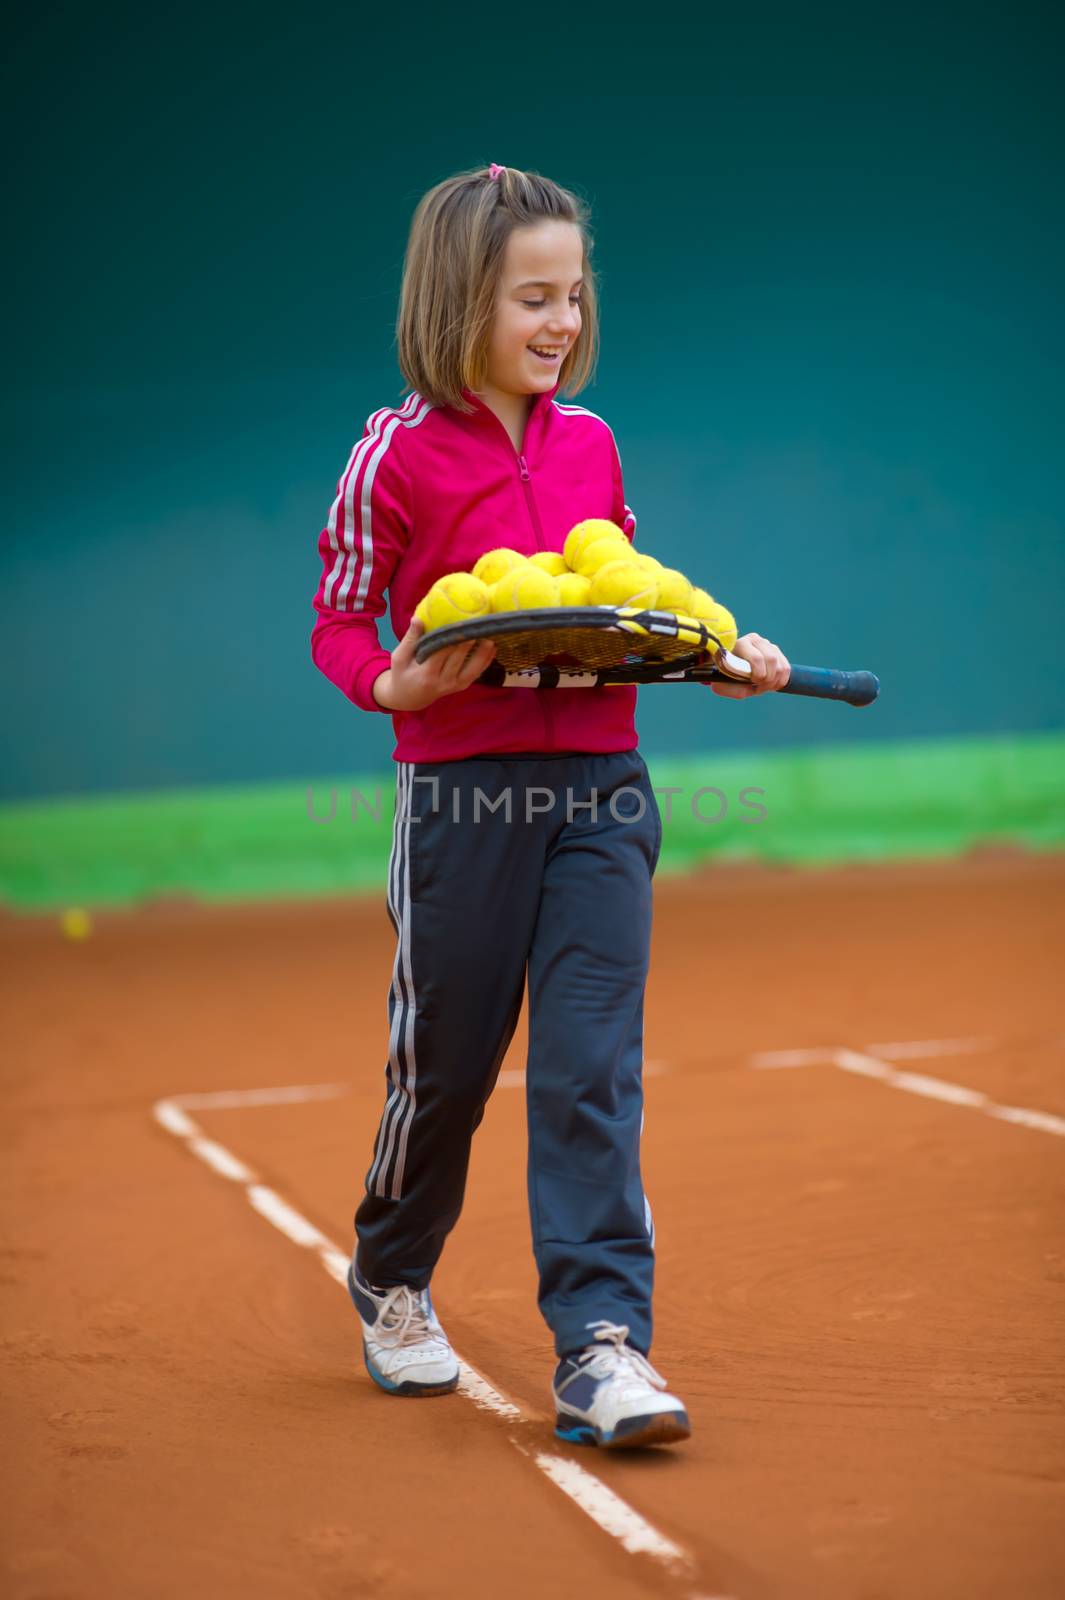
(285, 1219)
(789, 1058)
(868, 1064)
(219, 1158)
(336, 1263)
(174, 1120)
(606, 1509)
(922, 1049)
(481, 1392)
(898, 1050)
(227, 1099)
(1044, 1120)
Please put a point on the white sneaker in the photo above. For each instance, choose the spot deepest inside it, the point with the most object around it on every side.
(404, 1347)
(611, 1395)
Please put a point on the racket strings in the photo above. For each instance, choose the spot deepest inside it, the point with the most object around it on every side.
(582, 647)
(590, 637)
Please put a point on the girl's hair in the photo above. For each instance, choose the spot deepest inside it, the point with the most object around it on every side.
(451, 276)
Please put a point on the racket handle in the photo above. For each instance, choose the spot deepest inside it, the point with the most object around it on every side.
(827, 683)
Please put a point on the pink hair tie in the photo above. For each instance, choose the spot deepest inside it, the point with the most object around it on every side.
(494, 171)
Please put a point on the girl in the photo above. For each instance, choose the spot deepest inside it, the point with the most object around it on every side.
(526, 829)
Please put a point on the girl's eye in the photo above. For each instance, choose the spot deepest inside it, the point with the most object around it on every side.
(534, 305)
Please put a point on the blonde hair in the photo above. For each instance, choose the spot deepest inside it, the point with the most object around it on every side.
(451, 275)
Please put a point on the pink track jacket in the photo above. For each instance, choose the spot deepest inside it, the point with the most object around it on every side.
(425, 492)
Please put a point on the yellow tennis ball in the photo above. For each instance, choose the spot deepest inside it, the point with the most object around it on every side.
(454, 598)
(549, 561)
(642, 560)
(573, 590)
(599, 552)
(701, 604)
(494, 563)
(674, 590)
(585, 533)
(623, 583)
(524, 589)
(75, 923)
(721, 623)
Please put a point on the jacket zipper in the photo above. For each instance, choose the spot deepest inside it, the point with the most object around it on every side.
(543, 697)
(534, 515)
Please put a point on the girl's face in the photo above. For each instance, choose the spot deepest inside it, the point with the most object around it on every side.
(538, 305)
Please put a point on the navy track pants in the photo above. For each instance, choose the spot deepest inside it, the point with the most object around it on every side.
(502, 867)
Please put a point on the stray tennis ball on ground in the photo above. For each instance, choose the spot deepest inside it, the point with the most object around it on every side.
(549, 561)
(623, 583)
(573, 590)
(75, 923)
(674, 590)
(456, 598)
(526, 588)
(598, 553)
(494, 563)
(585, 533)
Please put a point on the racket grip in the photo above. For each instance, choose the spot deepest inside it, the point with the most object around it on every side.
(827, 683)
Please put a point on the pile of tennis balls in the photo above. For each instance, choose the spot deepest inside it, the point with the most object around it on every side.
(597, 567)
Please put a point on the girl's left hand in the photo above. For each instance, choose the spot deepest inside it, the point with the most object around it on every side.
(770, 668)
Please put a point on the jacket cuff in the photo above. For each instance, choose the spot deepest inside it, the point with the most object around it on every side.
(366, 677)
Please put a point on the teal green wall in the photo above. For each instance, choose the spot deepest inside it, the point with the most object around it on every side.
(831, 248)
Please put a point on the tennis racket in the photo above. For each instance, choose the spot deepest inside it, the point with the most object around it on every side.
(593, 647)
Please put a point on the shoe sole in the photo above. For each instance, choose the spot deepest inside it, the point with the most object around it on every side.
(659, 1427)
(408, 1390)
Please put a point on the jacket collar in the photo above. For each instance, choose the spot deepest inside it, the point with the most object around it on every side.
(537, 411)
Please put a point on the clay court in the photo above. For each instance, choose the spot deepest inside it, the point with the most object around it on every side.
(854, 1152)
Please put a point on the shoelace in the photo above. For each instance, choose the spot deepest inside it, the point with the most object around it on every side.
(405, 1316)
(618, 1359)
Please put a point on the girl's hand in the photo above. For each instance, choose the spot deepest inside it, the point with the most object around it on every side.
(406, 686)
(770, 668)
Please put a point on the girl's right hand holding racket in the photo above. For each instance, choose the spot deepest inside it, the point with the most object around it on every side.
(409, 686)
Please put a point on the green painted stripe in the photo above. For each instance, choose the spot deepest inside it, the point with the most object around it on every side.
(827, 804)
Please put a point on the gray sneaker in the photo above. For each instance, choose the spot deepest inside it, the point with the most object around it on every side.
(609, 1394)
(404, 1347)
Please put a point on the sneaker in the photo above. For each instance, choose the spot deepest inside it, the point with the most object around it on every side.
(404, 1347)
(609, 1394)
